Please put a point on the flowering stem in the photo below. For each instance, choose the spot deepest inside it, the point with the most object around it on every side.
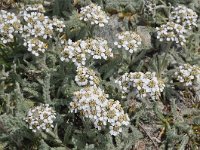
(162, 66)
(138, 57)
(91, 30)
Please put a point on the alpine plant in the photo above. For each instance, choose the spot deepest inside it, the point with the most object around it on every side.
(92, 103)
(187, 74)
(41, 118)
(128, 40)
(143, 85)
(94, 15)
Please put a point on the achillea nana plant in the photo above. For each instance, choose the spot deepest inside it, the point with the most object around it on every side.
(99, 75)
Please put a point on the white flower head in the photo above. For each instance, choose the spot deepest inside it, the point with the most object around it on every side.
(142, 84)
(184, 16)
(10, 25)
(74, 51)
(82, 50)
(35, 46)
(94, 104)
(171, 32)
(187, 74)
(86, 76)
(98, 48)
(94, 14)
(129, 41)
(38, 27)
(41, 118)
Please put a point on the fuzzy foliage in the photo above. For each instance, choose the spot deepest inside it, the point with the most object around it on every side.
(26, 81)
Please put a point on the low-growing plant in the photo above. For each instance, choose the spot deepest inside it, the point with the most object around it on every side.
(100, 74)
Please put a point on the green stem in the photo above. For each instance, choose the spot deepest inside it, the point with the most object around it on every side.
(91, 30)
(162, 67)
(139, 57)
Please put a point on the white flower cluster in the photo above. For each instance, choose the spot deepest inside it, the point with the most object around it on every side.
(129, 40)
(81, 50)
(58, 25)
(37, 25)
(181, 18)
(86, 76)
(9, 26)
(142, 84)
(187, 74)
(41, 118)
(184, 16)
(125, 84)
(93, 14)
(94, 104)
(98, 48)
(34, 24)
(74, 51)
(35, 46)
(171, 32)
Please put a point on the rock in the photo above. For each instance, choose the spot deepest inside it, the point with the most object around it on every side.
(144, 33)
(110, 30)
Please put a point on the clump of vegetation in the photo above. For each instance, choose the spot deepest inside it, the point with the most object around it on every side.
(100, 74)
